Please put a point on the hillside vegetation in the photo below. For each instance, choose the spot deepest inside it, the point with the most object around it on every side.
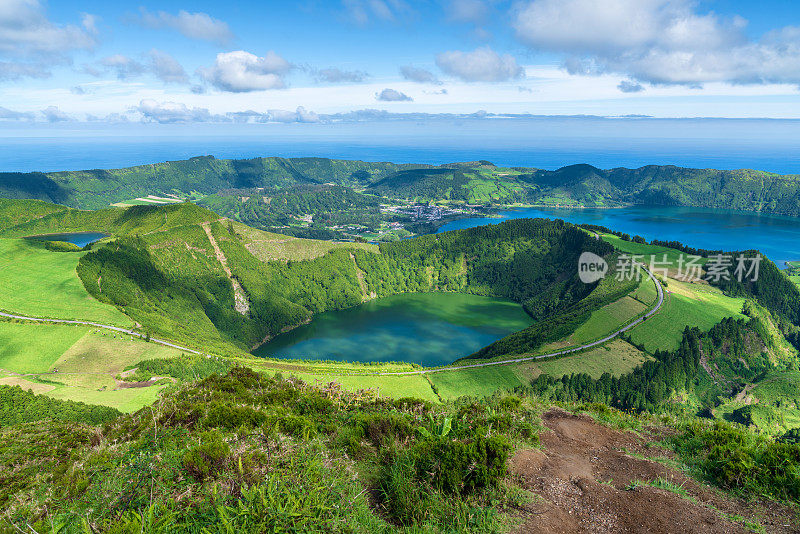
(245, 452)
(474, 182)
(174, 283)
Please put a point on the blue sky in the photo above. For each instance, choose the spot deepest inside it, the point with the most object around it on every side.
(314, 61)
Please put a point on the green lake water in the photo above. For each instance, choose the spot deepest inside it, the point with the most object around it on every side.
(426, 328)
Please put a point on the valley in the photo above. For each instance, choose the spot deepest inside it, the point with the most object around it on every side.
(124, 309)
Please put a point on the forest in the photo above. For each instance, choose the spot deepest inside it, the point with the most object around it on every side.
(274, 209)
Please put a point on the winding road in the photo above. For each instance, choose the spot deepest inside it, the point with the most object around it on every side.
(99, 325)
(400, 373)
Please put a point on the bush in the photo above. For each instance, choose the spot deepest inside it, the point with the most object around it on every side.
(207, 459)
(382, 428)
(739, 460)
(462, 467)
(231, 417)
(415, 479)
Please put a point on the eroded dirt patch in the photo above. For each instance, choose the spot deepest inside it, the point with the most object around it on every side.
(587, 479)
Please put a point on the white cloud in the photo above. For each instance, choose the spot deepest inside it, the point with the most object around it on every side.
(173, 112)
(658, 41)
(160, 64)
(480, 65)
(627, 86)
(166, 68)
(8, 114)
(334, 75)
(390, 95)
(240, 72)
(123, 66)
(299, 115)
(474, 11)
(419, 75)
(31, 44)
(199, 26)
(53, 114)
(15, 71)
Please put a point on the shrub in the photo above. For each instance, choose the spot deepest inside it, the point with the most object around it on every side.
(206, 459)
(462, 467)
(736, 459)
(231, 417)
(381, 428)
(296, 426)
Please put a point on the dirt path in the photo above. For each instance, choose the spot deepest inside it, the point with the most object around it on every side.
(589, 481)
(365, 296)
(241, 300)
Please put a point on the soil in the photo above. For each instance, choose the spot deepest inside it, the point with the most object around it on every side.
(583, 479)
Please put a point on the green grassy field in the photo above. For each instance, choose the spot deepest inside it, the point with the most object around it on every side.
(629, 247)
(108, 352)
(616, 357)
(125, 400)
(41, 283)
(774, 401)
(779, 386)
(685, 305)
(608, 319)
(34, 348)
(76, 363)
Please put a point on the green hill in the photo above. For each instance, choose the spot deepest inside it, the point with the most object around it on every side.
(473, 182)
(22, 218)
(173, 281)
(94, 189)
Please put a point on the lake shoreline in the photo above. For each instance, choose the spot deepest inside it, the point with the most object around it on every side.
(428, 329)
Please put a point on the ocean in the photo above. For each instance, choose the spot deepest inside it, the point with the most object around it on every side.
(547, 143)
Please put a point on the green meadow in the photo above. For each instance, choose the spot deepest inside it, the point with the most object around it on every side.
(78, 363)
(41, 283)
(34, 348)
(685, 305)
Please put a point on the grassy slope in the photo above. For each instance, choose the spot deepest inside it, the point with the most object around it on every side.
(41, 283)
(32, 348)
(267, 246)
(685, 304)
(86, 360)
(775, 400)
(617, 357)
(26, 218)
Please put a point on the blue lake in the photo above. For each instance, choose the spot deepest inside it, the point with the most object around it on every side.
(775, 236)
(80, 239)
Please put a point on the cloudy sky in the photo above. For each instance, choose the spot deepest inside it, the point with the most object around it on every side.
(355, 60)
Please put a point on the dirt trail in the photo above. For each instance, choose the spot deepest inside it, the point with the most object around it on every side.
(241, 300)
(583, 473)
(365, 295)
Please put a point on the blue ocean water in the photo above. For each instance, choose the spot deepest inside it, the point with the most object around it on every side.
(547, 143)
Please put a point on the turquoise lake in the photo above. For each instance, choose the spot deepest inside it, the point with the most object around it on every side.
(426, 328)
